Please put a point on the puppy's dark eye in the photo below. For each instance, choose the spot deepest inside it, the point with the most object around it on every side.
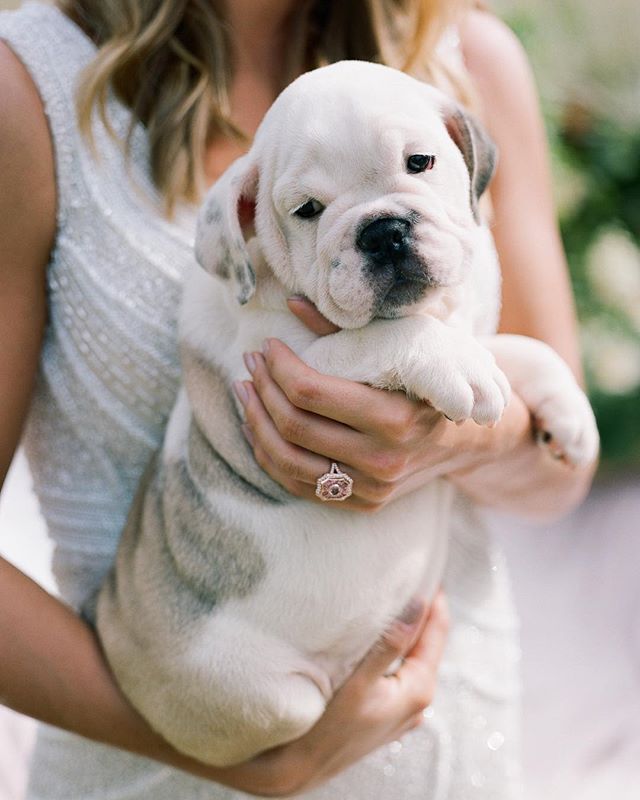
(420, 162)
(309, 209)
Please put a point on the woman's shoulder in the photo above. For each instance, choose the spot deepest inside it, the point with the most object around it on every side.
(496, 60)
(27, 182)
(27, 221)
(43, 55)
(508, 98)
(52, 48)
(488, 44)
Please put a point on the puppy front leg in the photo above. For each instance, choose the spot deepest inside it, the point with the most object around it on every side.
(550, 391)
(438, 364)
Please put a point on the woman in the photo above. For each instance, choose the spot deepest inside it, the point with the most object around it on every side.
(94, 242)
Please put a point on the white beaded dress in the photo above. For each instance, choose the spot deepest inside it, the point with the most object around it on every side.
(107, 380)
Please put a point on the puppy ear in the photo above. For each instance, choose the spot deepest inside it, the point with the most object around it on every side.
(478, 150)
(225, 222)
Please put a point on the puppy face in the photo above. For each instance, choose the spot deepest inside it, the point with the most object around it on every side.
(365, 184)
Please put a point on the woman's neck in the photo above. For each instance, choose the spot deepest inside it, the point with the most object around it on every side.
(259, 31)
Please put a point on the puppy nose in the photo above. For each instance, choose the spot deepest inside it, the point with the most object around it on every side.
(385, 240)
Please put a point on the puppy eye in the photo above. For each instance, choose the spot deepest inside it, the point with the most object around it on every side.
(309, 209)
(420, 163)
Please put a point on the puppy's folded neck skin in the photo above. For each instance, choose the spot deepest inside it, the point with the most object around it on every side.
(270, 294)
(342, 213)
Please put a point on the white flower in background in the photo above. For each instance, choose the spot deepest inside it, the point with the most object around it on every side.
(613, 269)
(613, 359)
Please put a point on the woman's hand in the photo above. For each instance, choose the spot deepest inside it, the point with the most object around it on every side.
(299, 421)
(370, 710)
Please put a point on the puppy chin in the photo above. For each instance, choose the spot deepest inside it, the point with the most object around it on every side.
(344, 318)
(438, 302)
(348, 300)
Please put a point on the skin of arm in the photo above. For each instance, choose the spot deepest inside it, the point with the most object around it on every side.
(52, 667)
(299, 421)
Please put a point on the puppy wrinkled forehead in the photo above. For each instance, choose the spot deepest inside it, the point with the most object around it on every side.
(352, 118)
(348, 94)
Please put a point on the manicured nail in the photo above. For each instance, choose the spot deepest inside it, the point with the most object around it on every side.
(241, 392)
(412, 611)
(250, 362)
(265, 346)
(247, 433)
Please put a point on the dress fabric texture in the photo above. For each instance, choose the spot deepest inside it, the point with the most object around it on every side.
(107, 381)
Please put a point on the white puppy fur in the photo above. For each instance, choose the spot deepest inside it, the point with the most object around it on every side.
(235, 610)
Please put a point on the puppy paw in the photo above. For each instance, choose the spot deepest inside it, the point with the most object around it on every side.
(566, 426)
(466, 384)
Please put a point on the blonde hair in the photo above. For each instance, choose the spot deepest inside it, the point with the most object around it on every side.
(171, 62)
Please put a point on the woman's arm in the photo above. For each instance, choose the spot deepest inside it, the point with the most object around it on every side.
(300, 421)
(536, 292)
(27, 229)
(52, 667)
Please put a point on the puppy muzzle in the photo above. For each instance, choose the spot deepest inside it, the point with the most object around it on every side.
(398, 276)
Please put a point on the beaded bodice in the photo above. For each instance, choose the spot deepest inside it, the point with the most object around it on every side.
(107, 380)
(109, 368)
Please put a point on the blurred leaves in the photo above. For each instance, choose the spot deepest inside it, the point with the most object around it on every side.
(601, 233)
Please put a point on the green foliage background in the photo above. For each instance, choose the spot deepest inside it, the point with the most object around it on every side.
(609, 158)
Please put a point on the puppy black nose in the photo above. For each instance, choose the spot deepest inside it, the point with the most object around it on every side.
(385, 240)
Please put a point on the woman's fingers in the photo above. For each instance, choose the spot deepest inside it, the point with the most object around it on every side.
(306, 312)
(410, 649)
(292, 444)
(320, 435)
(360, 407)
(395, 642)
(418, 673)
(430, 644)
(301, 421)
(294, 467)
(295, 463)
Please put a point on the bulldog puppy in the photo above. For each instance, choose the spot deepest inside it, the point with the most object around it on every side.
(235, 610)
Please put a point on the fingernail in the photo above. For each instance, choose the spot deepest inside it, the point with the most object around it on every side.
(265, 346)
(250, 362)
(412, 611)
(241, 392)
(297, 297)
(248, 434)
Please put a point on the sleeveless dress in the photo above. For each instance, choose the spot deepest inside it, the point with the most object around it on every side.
(108, 377)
